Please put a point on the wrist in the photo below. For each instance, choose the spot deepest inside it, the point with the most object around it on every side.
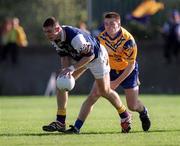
(72, 68)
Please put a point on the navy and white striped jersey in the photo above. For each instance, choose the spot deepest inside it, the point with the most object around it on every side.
(73, 41)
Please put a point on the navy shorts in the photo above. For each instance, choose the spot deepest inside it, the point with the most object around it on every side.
(131, 81)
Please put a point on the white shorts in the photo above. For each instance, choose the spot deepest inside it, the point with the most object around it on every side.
(100, 66)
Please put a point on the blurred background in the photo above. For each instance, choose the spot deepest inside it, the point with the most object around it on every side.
(28, 62)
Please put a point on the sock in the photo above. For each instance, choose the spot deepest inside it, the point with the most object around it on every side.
(123, 115)
(78, 124)
(122, 112)
(144, 112)
(61, 115)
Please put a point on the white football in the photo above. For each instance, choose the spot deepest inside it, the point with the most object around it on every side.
(65, 83)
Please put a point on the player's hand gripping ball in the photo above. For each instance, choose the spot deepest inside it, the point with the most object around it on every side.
(65, 82)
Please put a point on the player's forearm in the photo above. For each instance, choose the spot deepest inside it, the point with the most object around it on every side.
(65, 61)
(126, 72)
(83, 62)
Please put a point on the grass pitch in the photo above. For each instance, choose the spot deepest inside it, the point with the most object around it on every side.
(21, 119)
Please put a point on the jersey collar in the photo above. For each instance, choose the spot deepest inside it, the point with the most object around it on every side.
(62, 35)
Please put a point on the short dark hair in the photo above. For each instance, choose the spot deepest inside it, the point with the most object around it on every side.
(51, 21)
(112, 15)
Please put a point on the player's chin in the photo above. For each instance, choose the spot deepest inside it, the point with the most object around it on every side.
(51, 38)
(113, 31)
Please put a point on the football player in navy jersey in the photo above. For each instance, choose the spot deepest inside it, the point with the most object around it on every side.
(86, 52)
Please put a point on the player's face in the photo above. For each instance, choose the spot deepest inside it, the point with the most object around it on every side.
(112, 26)
(51, 32)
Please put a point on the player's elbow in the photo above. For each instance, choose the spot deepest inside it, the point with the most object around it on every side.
(91, 57)
(132, 64)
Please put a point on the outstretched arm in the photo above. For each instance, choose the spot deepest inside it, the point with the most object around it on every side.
(123, 76)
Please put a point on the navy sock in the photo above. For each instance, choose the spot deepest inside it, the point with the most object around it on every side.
(78, 124)
(61, 118)
(124, 115)
(144, 112)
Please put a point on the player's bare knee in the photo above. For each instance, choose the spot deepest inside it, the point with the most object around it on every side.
(132, 107)
(95, 94)
(105, 92)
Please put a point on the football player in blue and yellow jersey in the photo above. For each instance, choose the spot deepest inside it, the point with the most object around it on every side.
(86, 52)
(122, 50)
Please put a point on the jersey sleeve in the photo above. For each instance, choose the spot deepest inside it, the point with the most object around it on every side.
(80, 44)
(130, 50)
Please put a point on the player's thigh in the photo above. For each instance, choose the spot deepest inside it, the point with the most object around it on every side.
(103, 84)
(132, 95)
(99, 67)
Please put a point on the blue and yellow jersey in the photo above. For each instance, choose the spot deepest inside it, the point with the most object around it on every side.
(122, 49)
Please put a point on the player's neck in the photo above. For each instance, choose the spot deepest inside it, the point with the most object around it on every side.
(61, 36)
(114, 35)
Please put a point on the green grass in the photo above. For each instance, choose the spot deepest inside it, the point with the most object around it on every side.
(21, 119)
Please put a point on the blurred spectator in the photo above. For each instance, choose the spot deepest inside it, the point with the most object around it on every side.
(83, 26)
(13, 37)
(51, 86)
(144, 10)
(171, 35)
(1, 32)
(21, 36)
(6, 28)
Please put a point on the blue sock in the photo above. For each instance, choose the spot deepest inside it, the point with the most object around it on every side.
(61, 118)
(78, 124)
(144, 112)
(124, 115)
